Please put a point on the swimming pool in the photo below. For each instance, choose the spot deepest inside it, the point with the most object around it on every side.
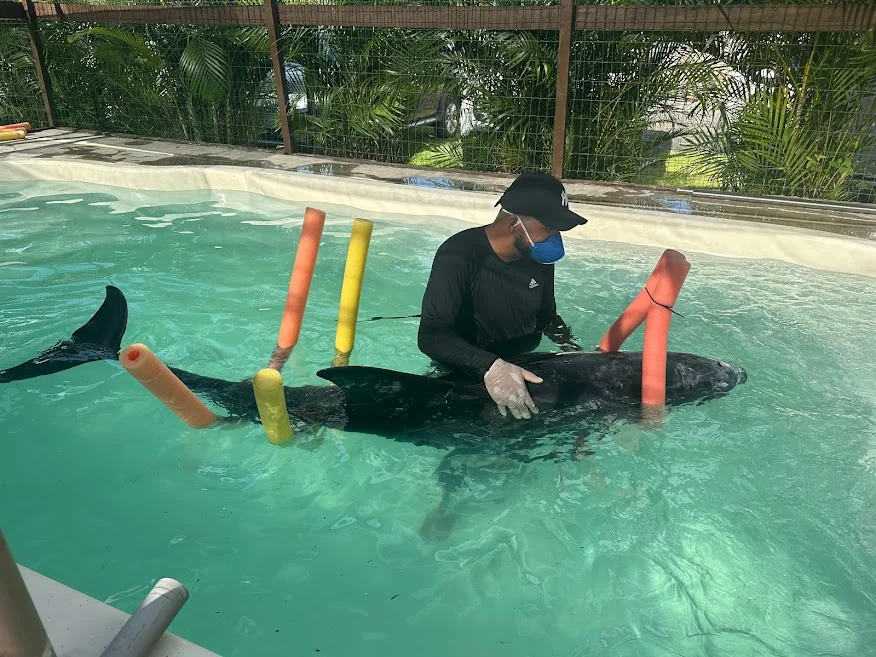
(744, 527)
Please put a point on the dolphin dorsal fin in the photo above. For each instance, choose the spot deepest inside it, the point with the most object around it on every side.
(376, 398)
(372, 385)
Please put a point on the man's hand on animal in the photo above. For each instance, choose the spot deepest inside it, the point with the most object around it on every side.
(506, 384)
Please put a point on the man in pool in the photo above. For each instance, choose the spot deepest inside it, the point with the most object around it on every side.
(490, 294)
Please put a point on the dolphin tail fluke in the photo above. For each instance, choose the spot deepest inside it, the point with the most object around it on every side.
(108, 324)
(100, 338)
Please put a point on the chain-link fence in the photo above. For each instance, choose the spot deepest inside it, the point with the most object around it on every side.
(769, 100)
(760, 113)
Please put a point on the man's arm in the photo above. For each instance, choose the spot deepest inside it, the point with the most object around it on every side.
(448, 283)
(551, 324)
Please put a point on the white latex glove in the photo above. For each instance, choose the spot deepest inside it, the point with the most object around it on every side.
(506, 384)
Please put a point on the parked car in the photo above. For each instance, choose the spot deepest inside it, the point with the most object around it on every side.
(450, 116)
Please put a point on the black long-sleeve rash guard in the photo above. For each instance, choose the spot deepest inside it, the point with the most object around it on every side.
(477, 307)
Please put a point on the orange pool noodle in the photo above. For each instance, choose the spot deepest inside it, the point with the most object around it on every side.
(631, 318)
(161, 382)
(657, 330)
(302, 275)
(16, 126)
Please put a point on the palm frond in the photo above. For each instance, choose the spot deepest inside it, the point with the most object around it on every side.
(123, 41)
(444, 156)
(204, 67)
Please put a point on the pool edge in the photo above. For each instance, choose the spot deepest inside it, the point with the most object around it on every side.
(650, 228)
(80, 625)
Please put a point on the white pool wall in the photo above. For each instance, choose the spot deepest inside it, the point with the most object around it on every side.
(371, 199)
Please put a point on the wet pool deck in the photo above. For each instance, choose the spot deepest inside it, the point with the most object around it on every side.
(853, 220)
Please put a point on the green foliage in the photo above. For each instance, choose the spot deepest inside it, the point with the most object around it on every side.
(619, 82)
(800, 133)
(512, 78)
(201, 84)
(205, 70)
(362, 86)
(614, 109)
(20, 98)
(447, 155)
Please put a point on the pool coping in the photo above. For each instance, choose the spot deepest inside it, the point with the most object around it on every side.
(376, 198)
(846, 218)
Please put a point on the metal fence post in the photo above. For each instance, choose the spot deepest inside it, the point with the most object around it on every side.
(272, 21)
(22, 633)
(36, 45)
(564, 57)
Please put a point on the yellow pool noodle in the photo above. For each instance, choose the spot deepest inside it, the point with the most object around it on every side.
(9, 135)
(268, 387)
(351, 290)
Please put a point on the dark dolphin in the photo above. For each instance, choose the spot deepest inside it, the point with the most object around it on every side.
(414, 408)
(581, 394)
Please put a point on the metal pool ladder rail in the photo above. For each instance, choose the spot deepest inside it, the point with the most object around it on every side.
(22, 633)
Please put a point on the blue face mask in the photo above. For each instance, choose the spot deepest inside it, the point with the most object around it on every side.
(547, 251)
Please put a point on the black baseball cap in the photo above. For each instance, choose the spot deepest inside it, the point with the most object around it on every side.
(540, 195)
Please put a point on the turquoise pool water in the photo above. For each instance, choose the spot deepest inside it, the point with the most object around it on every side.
(747, 526)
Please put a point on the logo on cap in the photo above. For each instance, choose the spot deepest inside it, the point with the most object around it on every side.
(564, 199)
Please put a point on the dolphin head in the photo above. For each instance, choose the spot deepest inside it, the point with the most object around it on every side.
(696, 378)
(735, 374)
